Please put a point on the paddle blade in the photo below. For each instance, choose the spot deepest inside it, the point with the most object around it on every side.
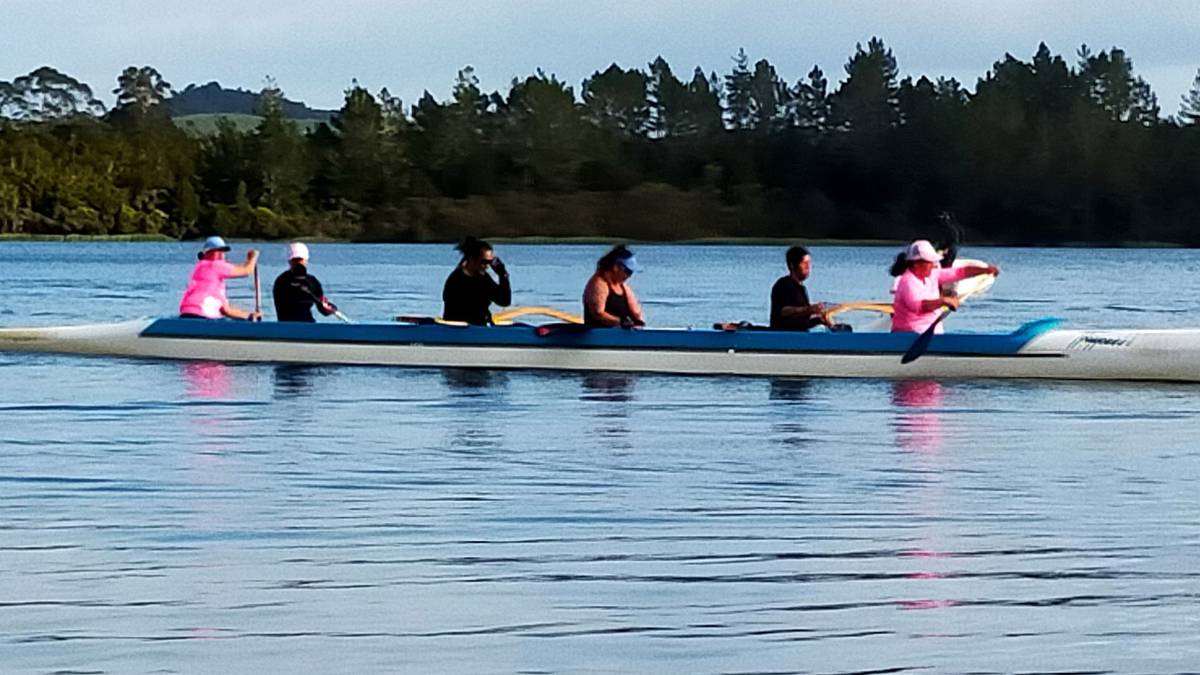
(919, 347)
(921, 344)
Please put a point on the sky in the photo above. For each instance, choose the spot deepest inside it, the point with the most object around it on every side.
(314, 49)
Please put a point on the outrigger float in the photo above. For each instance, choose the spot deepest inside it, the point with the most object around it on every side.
(1036, 350)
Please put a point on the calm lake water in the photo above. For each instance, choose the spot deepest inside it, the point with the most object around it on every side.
(161, 517)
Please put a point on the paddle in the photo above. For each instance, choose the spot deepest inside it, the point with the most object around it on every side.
(336, 311)
(257, 294)
(508, 315)
(921, 344)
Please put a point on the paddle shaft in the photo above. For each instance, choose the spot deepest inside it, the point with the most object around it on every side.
(336, 312)
(257, 292)
(921, 344)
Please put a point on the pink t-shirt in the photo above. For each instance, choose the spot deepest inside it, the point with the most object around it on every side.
(907, 316)
(205, 294)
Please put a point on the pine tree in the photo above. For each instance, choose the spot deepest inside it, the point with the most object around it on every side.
(702, 110)
(769, 99)
(808, 105)
(280, 153)
(866, 102)
(739, 97)
(359, 157)
(1110, 84)
(1189, 108)
(667, 100)
(616, 99)
(141, 89)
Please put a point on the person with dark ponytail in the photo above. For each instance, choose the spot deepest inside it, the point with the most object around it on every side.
(470, 291)
(608, 300)
(918, 298)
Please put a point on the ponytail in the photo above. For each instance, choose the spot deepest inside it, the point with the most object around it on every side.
(900, 265)
(472, 248)
(616, 255)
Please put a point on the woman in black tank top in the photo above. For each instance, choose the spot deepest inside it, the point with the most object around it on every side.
(608, 299)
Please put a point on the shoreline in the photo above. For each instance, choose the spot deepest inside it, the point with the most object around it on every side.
(606, 241)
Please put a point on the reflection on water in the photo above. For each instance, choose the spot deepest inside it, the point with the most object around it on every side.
(474, 382)
(607, 386)
(611, 396)
(790, 389)
(207, 379)
(375, 520)
(476, 398)
(294, 381)
(792, 396)
(918, 422)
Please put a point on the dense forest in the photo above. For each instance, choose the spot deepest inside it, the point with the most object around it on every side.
(1042, 151)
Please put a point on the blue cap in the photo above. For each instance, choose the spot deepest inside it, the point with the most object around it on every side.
(630, 264)
(214, 244)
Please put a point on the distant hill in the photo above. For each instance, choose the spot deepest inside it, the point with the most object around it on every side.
(212, 98)
(205, 124)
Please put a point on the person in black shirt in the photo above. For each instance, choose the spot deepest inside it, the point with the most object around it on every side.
(469, 291)
(790, 307)
(296, 291)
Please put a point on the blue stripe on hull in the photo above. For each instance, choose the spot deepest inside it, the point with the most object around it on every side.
(988, 344)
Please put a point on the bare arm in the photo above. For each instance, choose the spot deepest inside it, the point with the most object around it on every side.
(595, 294)
(235, 313)
(950, 301)
(974, 271)
(246, 268)
(635, 307)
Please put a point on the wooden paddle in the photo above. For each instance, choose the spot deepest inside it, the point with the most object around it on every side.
(921, 344)
(507, 316)
(257, 293)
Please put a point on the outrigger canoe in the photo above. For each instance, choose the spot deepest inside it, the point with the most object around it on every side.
(1039, 349)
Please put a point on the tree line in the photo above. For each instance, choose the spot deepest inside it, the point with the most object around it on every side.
(1042, 151)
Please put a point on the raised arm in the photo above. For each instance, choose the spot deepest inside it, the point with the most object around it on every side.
(502, 294)
(246, 268)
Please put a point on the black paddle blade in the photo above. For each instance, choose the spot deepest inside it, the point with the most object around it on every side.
(921, 344)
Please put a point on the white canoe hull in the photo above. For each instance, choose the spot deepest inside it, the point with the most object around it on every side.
(1165, 355)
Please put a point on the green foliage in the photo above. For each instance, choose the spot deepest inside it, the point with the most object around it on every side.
(47, 94)
(866, 103)
(546, 133)
(282, 165)
(141, 89)
(739, 97)
(1041, 152)
(1189, 111)
(616, 99)
(202, 125)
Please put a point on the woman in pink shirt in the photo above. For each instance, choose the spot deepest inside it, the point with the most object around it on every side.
(918, 295)
(205, 294)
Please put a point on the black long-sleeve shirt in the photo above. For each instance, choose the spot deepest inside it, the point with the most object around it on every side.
(467, 298)
(295, 293)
